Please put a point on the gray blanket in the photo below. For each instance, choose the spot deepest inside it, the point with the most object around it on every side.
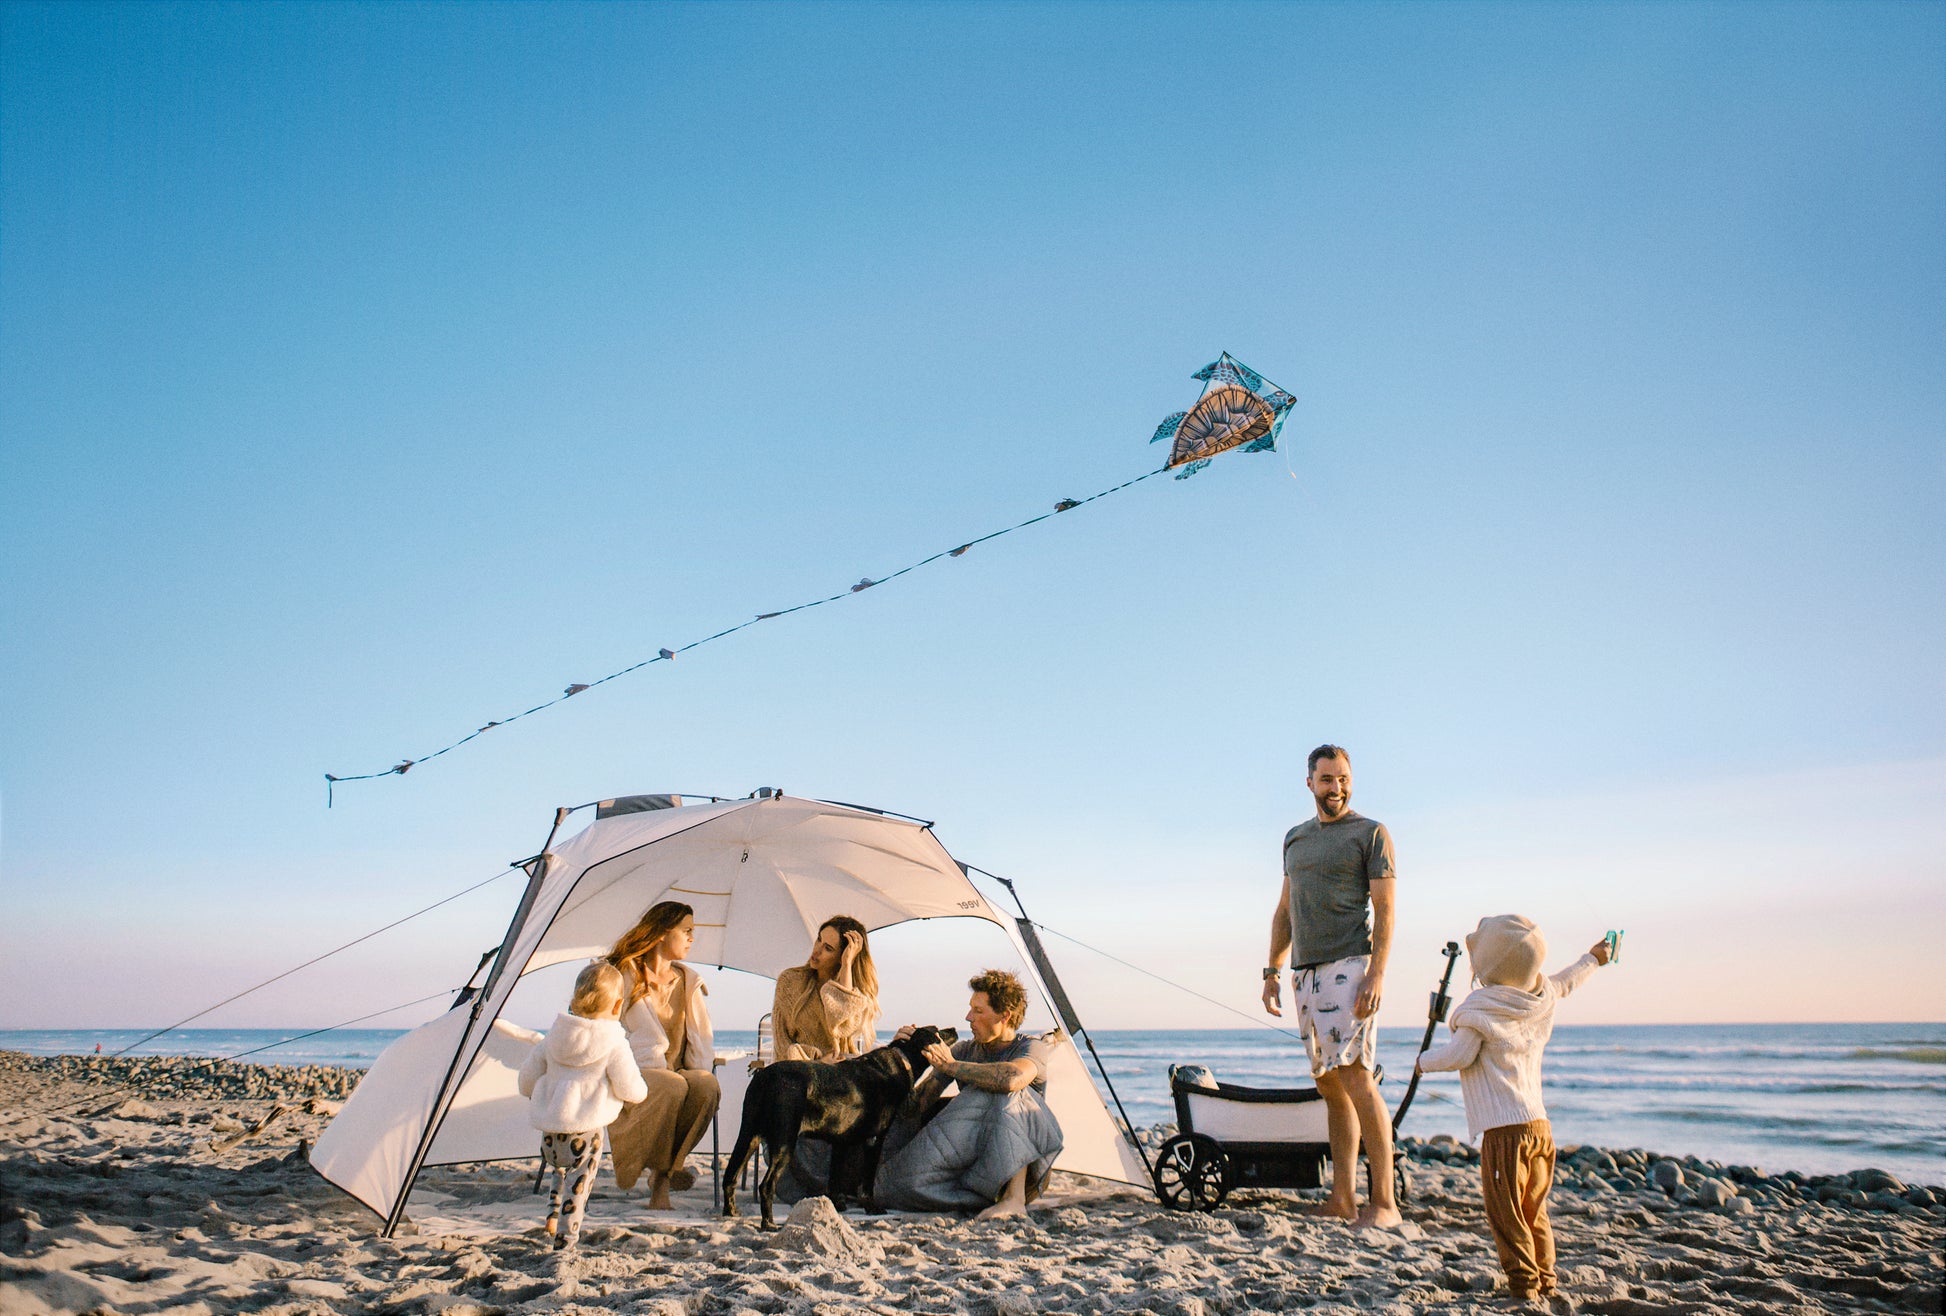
(964, 1157)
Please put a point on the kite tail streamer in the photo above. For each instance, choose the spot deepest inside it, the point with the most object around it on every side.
(1238, 409)
(399, 769)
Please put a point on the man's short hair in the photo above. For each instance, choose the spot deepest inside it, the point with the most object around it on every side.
(1004, 994)
(1324, 752)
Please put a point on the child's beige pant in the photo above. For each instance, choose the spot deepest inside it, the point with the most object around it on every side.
(1516, 1171)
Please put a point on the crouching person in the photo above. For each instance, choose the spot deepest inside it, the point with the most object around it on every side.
(576, 1079)
(992, 1147)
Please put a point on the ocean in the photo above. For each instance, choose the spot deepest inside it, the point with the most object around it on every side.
(1818, 1098)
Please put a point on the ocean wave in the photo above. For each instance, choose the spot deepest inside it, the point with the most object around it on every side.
(1774, 1085)
(1805, 1128)
(1920, 1055)
(1708, 1054)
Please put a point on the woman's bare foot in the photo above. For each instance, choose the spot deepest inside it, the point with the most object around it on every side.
(659, 1192)
(1331, 1209)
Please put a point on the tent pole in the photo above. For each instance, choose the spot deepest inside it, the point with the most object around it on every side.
(1045, 967)
(443, 1101)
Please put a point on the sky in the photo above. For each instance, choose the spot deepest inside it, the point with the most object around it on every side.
(370, 372)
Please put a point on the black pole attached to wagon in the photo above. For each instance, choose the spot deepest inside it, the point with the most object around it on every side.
(1435, 1015)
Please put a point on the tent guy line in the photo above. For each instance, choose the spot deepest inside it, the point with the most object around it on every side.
(521, 865)
(131, 1085)
(1150, 973)
(1238, 408)
(316, 959)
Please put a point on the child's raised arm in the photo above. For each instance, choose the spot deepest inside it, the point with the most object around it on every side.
(1577, 973)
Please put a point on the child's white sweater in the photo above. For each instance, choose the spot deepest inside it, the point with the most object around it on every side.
(1498, 1036)
(579, 1075)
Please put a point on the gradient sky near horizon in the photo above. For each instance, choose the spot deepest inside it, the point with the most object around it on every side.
(368, 372)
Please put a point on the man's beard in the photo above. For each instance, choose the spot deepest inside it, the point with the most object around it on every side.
(1327, 809)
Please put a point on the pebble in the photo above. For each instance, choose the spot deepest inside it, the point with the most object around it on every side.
(1875, 1181)
(1714, 1192)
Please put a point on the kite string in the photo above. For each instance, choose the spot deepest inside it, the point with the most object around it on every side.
(331, 780)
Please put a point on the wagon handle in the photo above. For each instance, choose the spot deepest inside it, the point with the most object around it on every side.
(1435, 1012)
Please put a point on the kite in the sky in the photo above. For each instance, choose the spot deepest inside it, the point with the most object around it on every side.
(1238, 409)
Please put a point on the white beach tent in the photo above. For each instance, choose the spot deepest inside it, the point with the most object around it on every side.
(762, 874)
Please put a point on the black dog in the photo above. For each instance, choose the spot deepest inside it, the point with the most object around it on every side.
(849, 1105)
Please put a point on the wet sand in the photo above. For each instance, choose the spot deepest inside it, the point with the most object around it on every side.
(112, 1199)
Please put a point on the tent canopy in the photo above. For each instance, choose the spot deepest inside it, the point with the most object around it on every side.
(762, 875)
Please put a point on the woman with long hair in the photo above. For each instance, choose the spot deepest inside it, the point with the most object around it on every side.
(825, 1008)
(669, 1032)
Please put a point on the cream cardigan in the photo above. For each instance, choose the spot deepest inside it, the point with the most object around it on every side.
(649, 1040)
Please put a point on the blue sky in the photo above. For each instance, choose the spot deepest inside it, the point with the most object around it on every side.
(371, 372)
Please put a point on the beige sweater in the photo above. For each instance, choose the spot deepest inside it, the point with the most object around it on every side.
(1498, 1036)
(820, 1022)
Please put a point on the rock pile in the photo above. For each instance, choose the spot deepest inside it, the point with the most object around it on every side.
(1667, 1182)
(192, 1078)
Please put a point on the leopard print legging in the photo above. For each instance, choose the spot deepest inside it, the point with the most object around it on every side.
(575, 1159)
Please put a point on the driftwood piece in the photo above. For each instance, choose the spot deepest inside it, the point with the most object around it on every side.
(218, 1147)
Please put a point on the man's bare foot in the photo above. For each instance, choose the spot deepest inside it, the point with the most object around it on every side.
(1006, 1206)
(1375, 1216)
(1331, 1208)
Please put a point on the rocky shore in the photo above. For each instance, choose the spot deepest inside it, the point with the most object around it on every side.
(147, 1185)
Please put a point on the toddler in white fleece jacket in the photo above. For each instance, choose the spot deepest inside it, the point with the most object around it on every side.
(1499, 1032)
(577, 1078)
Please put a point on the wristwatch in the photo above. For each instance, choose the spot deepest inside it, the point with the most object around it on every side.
(1271, 972)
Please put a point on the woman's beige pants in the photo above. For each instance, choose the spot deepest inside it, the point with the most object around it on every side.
(657, 1133)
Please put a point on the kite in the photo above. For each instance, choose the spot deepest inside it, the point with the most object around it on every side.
(1238, 408)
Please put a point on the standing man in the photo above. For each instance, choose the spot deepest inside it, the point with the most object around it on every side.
(1336, 865)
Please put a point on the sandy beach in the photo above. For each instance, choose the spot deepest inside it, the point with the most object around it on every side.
(138, 1186)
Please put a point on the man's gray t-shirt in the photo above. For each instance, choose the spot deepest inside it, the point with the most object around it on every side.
(1025, 1046)
(1329, 869)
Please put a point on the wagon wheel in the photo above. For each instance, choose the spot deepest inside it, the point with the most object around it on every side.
(1192, 1173)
